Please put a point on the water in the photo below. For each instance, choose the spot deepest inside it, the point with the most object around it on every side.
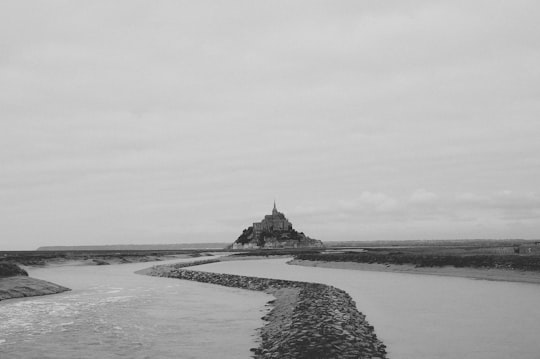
(427, 317)
(114, 313)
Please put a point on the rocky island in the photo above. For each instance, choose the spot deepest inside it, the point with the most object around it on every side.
(274, 231)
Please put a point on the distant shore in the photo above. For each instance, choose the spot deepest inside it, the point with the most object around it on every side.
(44, 258)
(494, 274)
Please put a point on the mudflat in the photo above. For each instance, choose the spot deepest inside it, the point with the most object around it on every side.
(496, 274)
(22, 286)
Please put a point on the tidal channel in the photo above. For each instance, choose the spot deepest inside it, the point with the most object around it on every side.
(114, 313)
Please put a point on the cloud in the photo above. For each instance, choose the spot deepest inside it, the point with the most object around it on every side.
(421, 196)
(423, 214)
(387, 117)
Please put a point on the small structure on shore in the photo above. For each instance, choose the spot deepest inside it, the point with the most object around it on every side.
(529, 248)
(274, 231)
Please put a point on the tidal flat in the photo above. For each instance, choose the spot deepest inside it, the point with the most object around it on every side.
(494, 274)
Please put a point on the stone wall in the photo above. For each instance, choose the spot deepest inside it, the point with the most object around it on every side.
(324, 322)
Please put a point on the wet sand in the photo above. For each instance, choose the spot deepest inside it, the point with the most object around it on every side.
(22, 286)
(471, 273)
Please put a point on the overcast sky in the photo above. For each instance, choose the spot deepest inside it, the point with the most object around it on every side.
(181, 121)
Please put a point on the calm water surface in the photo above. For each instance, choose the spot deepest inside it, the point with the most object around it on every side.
(114, 313)
(426, 317)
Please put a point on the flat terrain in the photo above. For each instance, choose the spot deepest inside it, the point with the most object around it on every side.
(516, 261)
(93, 257)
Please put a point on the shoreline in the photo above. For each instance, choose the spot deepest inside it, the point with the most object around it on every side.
(492, 274)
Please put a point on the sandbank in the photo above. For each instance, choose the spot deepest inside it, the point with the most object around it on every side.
(495, 274)
(22, 286)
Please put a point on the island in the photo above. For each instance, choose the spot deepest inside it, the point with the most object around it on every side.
(274, 231)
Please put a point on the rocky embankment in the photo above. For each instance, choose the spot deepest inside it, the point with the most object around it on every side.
(308, 321)
(15, 283)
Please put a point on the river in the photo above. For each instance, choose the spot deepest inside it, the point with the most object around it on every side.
(113, 313)
(423, 316)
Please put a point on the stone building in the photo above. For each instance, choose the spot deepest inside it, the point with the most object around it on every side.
(275, 221)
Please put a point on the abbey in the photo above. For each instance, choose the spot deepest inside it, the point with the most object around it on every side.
(274, 221)
(274, 231)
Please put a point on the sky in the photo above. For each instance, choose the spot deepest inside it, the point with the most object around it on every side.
(140, 122)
